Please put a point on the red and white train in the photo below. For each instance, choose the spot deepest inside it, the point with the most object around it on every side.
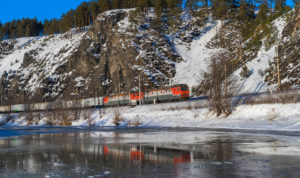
(165, 94)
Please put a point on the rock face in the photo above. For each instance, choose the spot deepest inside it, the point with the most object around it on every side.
(123, 47)
(289, 56)
(108, 58)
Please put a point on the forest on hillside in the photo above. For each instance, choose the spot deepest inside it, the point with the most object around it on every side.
(86, 13)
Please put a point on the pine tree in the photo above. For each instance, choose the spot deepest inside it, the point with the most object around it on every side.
(174, 11)
(67, 21)
(246, 11)
(5, 31)
(280, 5)
(263, 10)
(51, 26)
(158, 9)
(143, 5)
(192, 6)
(0, 31)
(117, 4)
(104, 5)
(94, 10)
(296, 3)
(204, 3)
(129, 3)
(82, 17)
(220, 8)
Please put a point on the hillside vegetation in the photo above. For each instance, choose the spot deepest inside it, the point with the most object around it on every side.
(159, 42)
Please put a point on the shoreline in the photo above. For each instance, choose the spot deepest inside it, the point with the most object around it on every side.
(270, 117)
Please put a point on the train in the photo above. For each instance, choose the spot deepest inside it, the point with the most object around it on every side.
(163, 94)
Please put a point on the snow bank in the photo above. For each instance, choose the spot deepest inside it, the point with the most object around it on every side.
(186, 114)
(196, 56)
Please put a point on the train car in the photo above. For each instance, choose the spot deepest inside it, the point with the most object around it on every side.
(91, 102)
(100, 101)
(136, 98)
(173, 93)
(71, 104)
(18, 108)
(117, 100)
(41, 106)
(59, 104)
(4, 108)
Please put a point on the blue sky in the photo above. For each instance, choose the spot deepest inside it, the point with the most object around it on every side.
(41, 9)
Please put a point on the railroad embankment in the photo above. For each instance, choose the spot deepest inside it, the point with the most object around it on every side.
(182, 114)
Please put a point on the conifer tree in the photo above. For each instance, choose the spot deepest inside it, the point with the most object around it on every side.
(158, 9)
(117, 4)
(0, 31)
(246, 11)
(5, 31)
(143, 5)
(263, 10)
(220, 8)
(82, 17)
(204, 3)
(104, 5)
(280, 5)
(67, 21)
(94, 10)
(174, 11)
(296, 3)
(192, 6)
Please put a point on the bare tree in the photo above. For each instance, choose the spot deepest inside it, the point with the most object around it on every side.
(221, 87)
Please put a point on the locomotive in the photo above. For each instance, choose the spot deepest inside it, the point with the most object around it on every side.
(165, 94)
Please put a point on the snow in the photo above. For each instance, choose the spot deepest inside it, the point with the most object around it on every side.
(260, 63)
(196, 57)
(283, 117)
(52, 51)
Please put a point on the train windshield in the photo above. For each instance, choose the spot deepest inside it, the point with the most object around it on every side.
(184, 88)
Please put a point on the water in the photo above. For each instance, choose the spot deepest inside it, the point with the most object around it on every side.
(75, 152)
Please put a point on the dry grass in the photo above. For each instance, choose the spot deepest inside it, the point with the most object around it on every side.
(270, 99)
(135, 122)
(50, 118)
(86, 114)
(65, 118)
(272, 115)
(190, 107)
(117, 118)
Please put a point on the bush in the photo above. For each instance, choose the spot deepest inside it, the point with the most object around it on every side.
(245, 73)
(135, 122)
(117, 118)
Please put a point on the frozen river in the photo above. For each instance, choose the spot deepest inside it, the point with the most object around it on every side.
(75, 152)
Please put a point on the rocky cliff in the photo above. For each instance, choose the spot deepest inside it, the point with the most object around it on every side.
(122, 48)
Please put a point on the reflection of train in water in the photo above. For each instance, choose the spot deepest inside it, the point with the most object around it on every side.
(165, 94)
(163, 154)
(150, 153)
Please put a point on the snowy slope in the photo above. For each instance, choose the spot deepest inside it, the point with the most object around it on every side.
(147, 50)
(47, 53)
(196, 55)
(260, 64)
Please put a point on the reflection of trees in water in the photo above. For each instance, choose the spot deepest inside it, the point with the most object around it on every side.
(220, 149)
(54, 151)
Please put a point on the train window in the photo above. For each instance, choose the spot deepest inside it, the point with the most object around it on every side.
(184, 88)
(177, 89)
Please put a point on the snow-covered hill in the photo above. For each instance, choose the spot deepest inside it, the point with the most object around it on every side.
(107, 57)
(35, 59)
